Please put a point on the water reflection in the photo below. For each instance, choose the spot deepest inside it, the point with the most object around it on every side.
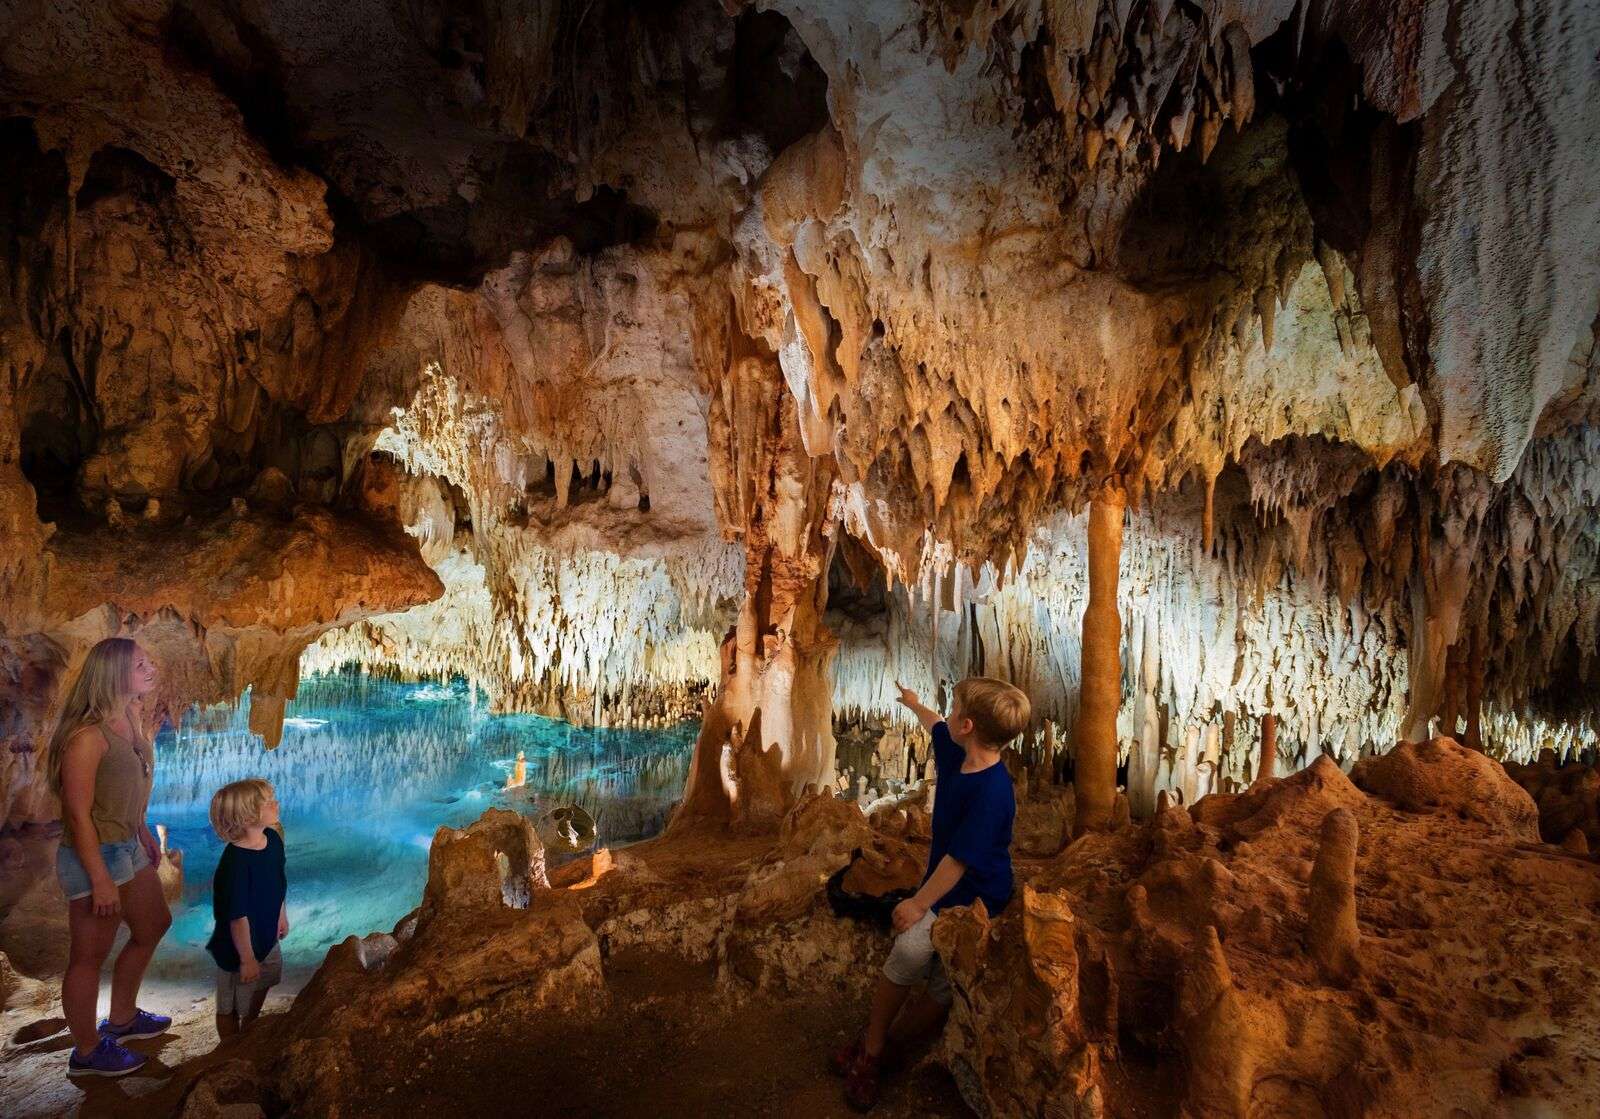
(367, 771)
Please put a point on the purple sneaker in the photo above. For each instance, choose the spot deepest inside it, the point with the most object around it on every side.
(143, 1024)
(107, 1059)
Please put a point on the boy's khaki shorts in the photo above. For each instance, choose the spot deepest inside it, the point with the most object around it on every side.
(233, 997)
(913, 961)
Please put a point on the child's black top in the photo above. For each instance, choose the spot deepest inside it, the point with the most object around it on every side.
(248, 884)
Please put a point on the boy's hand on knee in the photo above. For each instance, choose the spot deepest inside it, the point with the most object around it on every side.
(908, 913)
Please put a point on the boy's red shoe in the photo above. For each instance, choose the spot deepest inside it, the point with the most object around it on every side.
(843, 1059)
(861, 1084)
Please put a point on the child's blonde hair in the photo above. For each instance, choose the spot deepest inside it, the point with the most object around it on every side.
(999, 712)
(235, 808)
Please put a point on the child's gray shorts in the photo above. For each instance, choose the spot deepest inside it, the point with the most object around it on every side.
(913, 961)
(233, 997)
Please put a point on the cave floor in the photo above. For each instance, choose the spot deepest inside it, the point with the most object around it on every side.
(33, 1053)
(673, 1050)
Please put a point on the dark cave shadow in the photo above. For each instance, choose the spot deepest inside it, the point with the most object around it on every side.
(112, 1096)
(38, 1031)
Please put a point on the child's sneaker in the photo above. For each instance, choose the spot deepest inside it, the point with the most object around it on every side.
(861, 1085)
(143, 1024)
(890, 1061)
(106, 1059)
(843, 1059)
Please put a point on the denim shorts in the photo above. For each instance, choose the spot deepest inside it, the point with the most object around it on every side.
(123, 860)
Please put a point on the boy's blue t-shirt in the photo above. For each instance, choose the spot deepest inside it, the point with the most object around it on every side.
(249, 884)
(972, 818)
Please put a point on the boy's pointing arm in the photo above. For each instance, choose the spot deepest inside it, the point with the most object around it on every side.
(927, 716)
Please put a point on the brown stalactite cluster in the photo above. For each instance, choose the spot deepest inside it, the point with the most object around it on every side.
(1227, 377)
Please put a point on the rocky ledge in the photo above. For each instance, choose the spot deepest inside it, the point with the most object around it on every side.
(1313, 946)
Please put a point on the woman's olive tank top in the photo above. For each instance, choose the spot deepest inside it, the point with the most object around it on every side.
(121, 789)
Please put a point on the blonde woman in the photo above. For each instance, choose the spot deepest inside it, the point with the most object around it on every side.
(101, 765)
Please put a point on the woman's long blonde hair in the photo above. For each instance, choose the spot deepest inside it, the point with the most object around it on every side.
(99, 693)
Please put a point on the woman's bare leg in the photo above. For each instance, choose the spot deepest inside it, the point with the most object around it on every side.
(145, 910)
(90, 938)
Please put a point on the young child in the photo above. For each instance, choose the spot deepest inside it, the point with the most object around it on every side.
(973, 810)
(248, 902)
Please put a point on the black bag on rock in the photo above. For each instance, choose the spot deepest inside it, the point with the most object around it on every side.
(876, 908)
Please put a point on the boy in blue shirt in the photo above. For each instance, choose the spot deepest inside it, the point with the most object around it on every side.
(248, 902)
(973, 809)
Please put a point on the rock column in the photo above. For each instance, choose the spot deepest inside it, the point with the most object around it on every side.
(1096, 783)
(1268, 766)
(1439, 587)
(1474, 702)
(768, 732)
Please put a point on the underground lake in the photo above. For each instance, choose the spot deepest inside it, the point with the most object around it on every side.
(369, 768)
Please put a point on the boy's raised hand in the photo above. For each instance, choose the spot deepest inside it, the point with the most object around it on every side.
(925, 714)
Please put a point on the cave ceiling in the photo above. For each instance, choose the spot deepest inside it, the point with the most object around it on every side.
(1316, 285)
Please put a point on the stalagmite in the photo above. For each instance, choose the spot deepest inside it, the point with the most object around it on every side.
(776, 661)
(1096, 762)
(1331, 930)
(1144, 756)
(1190, 757)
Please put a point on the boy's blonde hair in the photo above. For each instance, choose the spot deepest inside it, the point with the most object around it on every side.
(236, 808)
(999, 712)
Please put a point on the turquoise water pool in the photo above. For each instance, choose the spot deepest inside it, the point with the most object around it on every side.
(367, 771)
